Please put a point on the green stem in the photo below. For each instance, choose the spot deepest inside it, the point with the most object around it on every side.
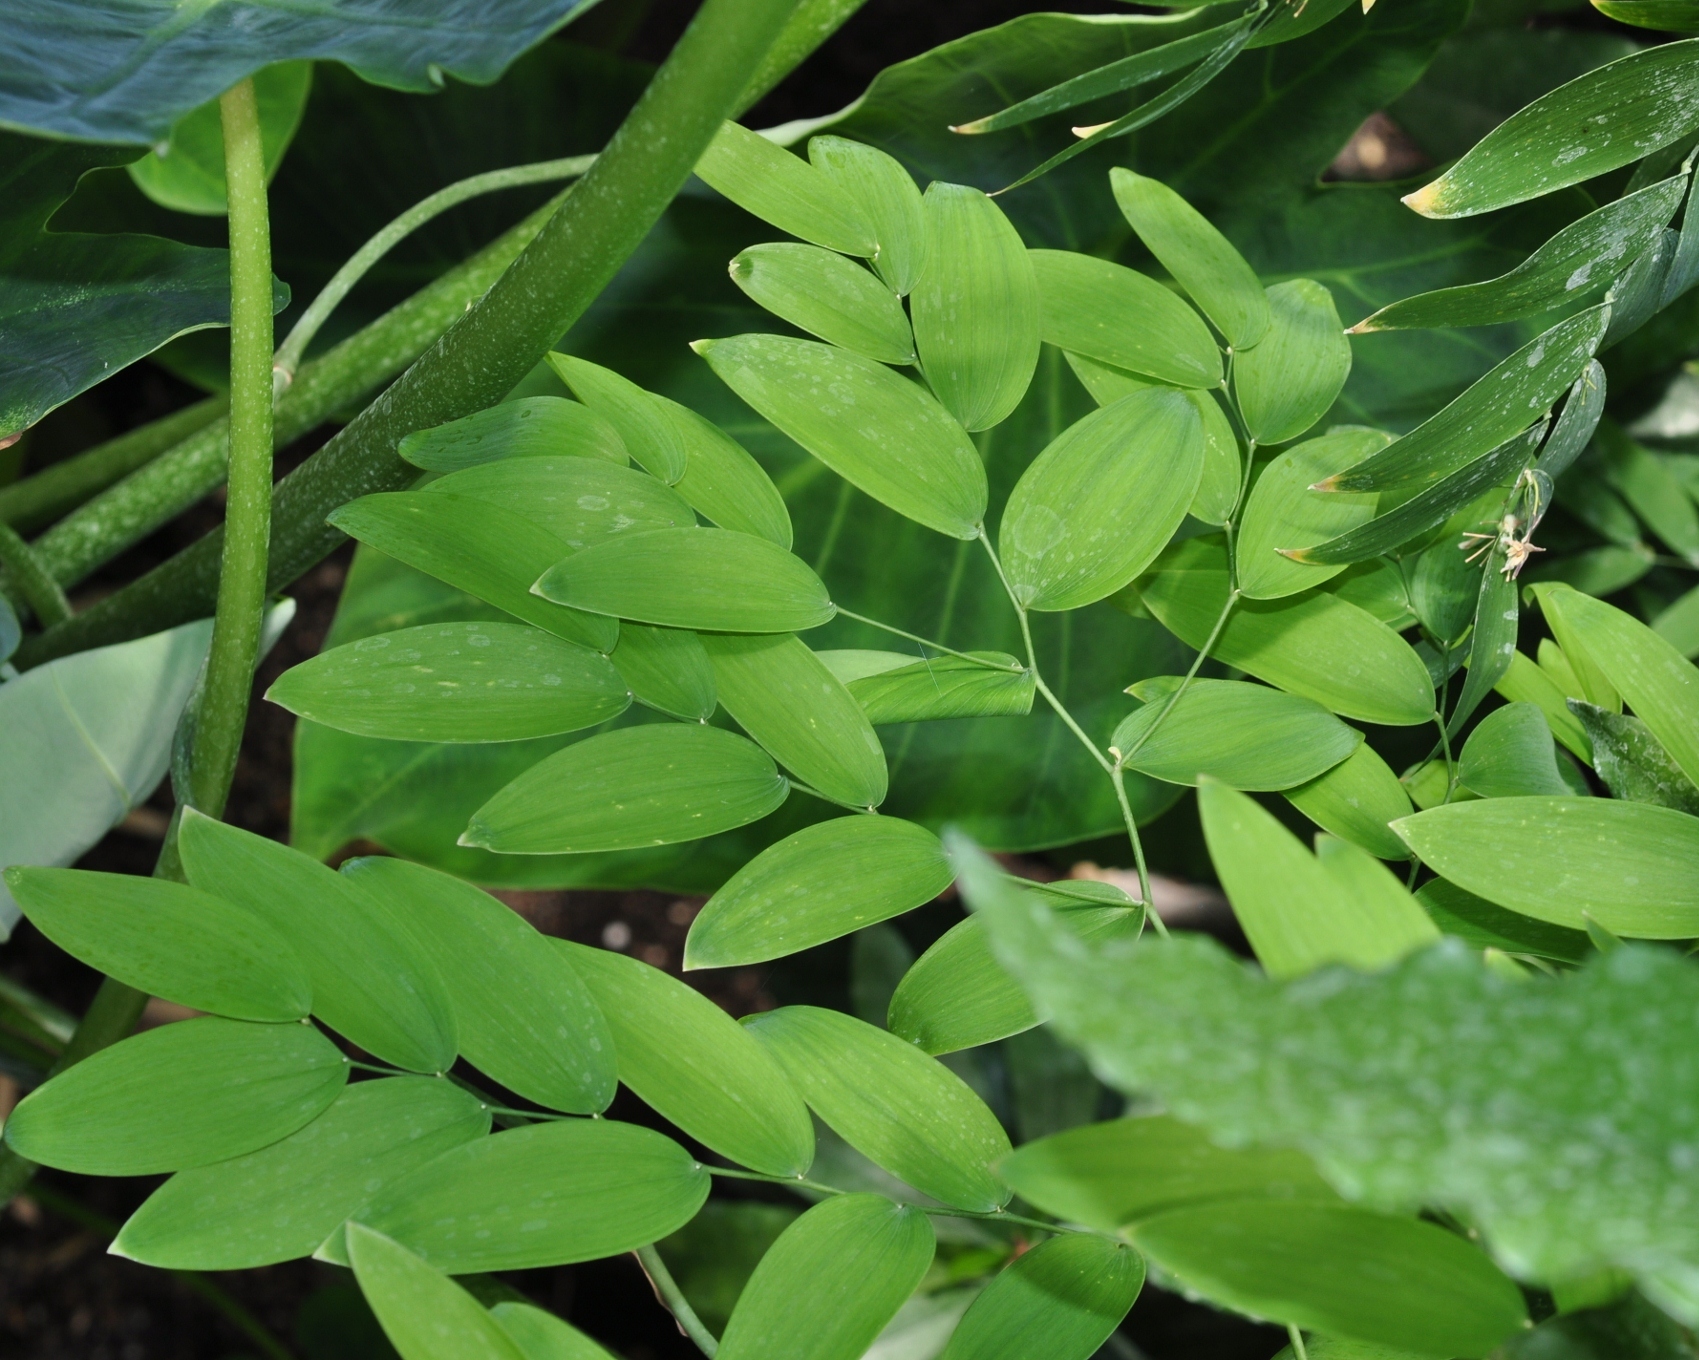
(499, 339)
(32, 580)
(673, 1300)
(794, 1182)
(925, 642)
(1197, 662)
(1298, 1349)
(1445, 748)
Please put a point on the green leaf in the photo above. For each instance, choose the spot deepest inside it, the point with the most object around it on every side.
(831, 1282)
(1126, 1170)
(1459, 912)
(1200, 258)
(1218, 489)
(185, 171)
(723, 482)
(1066, 535)
(903, 1110)
(1584, 255)
(1492, 640)
(1059, 1301)
(1583, 408)
(638, 786)
(667, 669)
(487, 550)
(1658, 683)
(1525, 682)
(1119, 317)
(280, 1202)
(173, 62)
(958, 996)
(1597, 122)
(696, 1066)
(1290, 378)
(890, 200)
(372, 982)
(1632, 867)
(543, 1336)
(1653, 490)
(944, 687)
(1380, 588)
(1667, 16)
(823, 882)
(1108, 384)
(879, 432)
(425, 1314)
(581, 501)
(648, 434)
(1445, 589)
(782, 188)
(1314, 644)
(713, 1255)
(975, 307)
(459, 682)
(1295, 913)
(1341, 1270)
(1246, 736)
(168, 940)
(1632, 762)
(1283, 512)
(1357, 800)
(1496, 408)
(785, 697)
(542, 1195)
(179, 1096)
(693, 578)
(1510, 754)
(531, 427)
(523, 1017)
(826, 295)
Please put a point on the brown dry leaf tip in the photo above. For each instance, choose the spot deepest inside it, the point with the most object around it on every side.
(1083, 132)
(1363, 327)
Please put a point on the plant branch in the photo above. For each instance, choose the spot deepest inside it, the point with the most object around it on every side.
(32, 580)
(1299, 1351)
(671, 1297)
(926, 642)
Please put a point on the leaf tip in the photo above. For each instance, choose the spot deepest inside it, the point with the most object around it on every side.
(702, 346)
(1083, 132)
(1429, 200)
(1297, 555)
(1326, 484)
(970, 129)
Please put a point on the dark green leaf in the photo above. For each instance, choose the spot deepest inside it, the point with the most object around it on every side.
(1459, 912)
(723, 482)
(782, 188)
(1289, 379)
(1059, 1301)
(944, 687)
(531, 427)
(581, 501)
(1632, 762)
(1511, 753)
(1379, 587)
(168, 940)
(1653, 490)
(1636, 296)
(1668, 16)
(826, 295)
(1357, 800)
(636, 787)
(823, 882)
(180, 1096)
(889, 198)
(425, 1315)
(1218, 489)
(1492, 640)
(1283, 512)
(667, 669)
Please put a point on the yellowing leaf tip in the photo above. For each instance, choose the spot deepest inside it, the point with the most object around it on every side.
(1429, 200)
(1088, 131)
(969, 129)
(701, 346)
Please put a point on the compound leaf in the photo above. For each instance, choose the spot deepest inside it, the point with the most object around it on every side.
(1290, 378)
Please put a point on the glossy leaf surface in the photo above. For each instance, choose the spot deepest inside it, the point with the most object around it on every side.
(826, 295)
(1290, 378)
(1058, 1301)
(780, 187)
(1282, 512)
(425, 1315)
(1632, 762)
(531, 427)
(666, 669)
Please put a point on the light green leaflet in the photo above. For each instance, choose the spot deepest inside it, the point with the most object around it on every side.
(1569, 660)
(1200, 258)
(693, 578)
(1656, 681)
(543, 1336)
(1511, 753)
(667, 669)
(1632, 762)
(1296, 914)
(826, 295)
(958, 996)
(542, 1195)
(1341, 1270)
(1058, 1301)
(1111, 1174)
(523, 1016)
(1105, 382)
(280, 1202)
(372, 981)
(1583, 256)
(1290, 378)
(1632, 867)
(1119, 317)
(901, 1109)
(943, 687)
(1098, 504)
(1379, 587)
(878, 431)
(887, 195)
(1487, 926)
(638, 786)
(1668, 16)
(1247, 736)
(1282, 512)
(829, 1284)
(975, 307)
(581, 501)
(1314, 644)
(532, 427)
(425, 1315)
(696, 1066)
(784, 697)
(1608, 117)
(723, 482)
(168, 940)
(1524, 681)
(782, 188)
(1356, 800)
(823, 882)
(1218, 489)
(467, 682)
(1499, 406)
(486, 550)
(182, 1095)
(644, 429)
(1653, 490)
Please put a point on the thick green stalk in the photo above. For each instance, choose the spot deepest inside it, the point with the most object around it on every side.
(31, 580)
(497, 342)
